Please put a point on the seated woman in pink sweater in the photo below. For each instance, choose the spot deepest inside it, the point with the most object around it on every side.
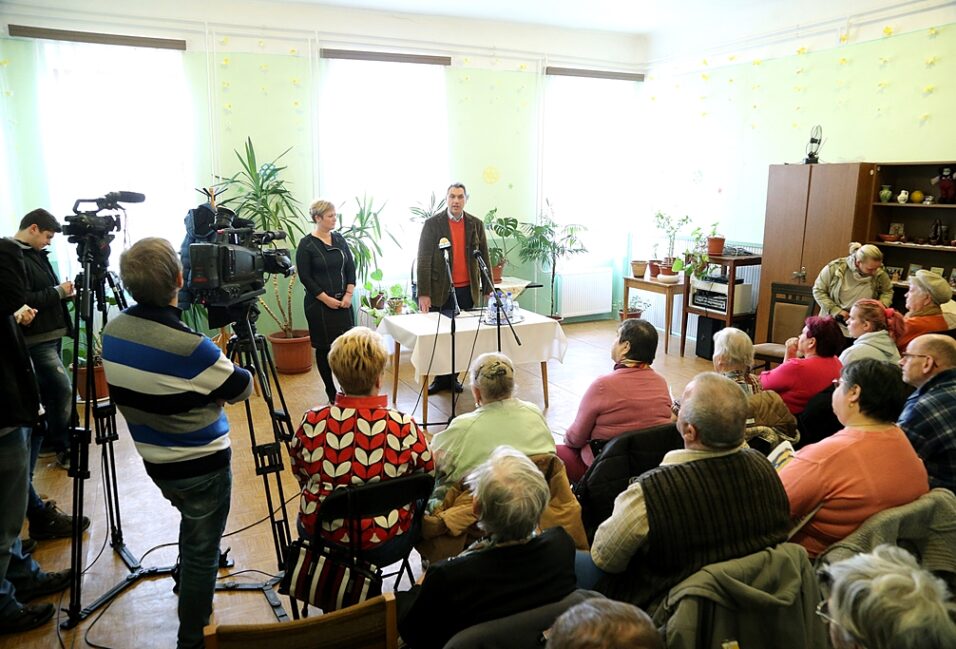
(865, 468)
(810, 364)
(631, 397)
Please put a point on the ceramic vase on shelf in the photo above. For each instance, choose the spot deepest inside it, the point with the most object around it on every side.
(903, 197)
(886, 194)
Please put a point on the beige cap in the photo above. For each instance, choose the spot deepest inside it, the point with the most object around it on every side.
(937, 287)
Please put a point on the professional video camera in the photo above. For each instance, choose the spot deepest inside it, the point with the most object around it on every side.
(230, 271)
(90, 231)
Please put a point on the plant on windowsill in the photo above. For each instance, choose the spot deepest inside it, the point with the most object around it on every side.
(636, 306)
(546, 243)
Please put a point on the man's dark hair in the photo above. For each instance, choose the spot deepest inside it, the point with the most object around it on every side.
(882, 393)
(460, 186)
(642, 336)
(42, 219)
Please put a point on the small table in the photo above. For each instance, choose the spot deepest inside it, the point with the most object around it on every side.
(429, 338)
(727, 317)
(663, 288)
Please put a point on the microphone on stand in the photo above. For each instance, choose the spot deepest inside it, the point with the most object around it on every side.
(444, 245)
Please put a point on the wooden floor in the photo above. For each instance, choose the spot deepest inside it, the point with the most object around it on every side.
(144, 616)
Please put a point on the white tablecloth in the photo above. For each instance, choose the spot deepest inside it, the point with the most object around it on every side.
(541, 339)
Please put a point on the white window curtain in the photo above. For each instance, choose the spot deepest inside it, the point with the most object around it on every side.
(117, 118)
(591, 129)
(383, 134)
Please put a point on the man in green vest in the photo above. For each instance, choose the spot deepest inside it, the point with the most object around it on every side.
(714, 500)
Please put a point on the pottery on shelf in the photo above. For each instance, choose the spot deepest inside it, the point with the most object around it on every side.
(903, 197)
(886, 194)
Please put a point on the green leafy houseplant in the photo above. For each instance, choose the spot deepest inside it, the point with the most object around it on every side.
(670, 227)
(374, 294)
(364, 236)
(546, 243)
(421, 211)
(502, 229)
(696, 260)
(263, 197)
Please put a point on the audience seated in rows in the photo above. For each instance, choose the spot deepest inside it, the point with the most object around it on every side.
(730, 500)
(604, 624)
(499, 419)
(632, 396)
(885, 600)
(357, 440)
(513, 568)
(923, 313)
(874, 329)
(929, 415)
(810, 363)
(865, 468)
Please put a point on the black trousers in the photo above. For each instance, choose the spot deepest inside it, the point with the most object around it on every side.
(465, 303)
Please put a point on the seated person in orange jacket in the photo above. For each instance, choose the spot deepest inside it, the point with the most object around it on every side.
(923, 315)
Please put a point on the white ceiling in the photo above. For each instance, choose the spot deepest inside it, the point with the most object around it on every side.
(632, 16)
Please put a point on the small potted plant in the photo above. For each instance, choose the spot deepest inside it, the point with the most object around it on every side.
(501, 229)
(715, 242)
(670, 227)
(374, 295)
(696, 259)
(396, 299)
(636, 306)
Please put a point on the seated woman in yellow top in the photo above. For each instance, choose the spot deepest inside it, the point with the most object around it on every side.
(923, 315)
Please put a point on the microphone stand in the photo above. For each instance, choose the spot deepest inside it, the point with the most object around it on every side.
(454, 312)
(498, 305)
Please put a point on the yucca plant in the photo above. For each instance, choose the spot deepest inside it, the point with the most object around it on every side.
(262, 196)
(364, 236)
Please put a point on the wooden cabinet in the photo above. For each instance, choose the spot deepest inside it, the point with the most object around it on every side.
(915, 219)
(813, 213)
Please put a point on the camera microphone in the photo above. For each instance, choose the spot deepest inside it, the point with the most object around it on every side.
(125, 197)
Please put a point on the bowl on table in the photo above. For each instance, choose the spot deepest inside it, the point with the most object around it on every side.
(889, 238)
(668, 279)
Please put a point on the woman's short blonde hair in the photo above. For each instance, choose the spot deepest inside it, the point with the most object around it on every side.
(358, 359)
(494, 376)
(318, 208)
(867, 252)
(735, 348)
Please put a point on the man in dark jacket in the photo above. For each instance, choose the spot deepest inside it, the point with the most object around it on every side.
(457, 234)
(44, 337)
(20, 577)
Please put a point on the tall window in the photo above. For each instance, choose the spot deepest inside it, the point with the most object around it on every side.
(383, 134)
(590, 145)
(116, 118)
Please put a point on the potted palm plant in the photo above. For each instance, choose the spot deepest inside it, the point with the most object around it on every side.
(546, 242)
(501, 229)
(263, 196)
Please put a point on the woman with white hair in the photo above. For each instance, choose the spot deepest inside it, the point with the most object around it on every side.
(844, 281)
(499, 419)
(734, 358)
(923, 313)
(884, 600)
(513, 568)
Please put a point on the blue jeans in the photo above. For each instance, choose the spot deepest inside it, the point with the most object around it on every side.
(204, 504)
(586, 571)
(56, 391)
(14, 477)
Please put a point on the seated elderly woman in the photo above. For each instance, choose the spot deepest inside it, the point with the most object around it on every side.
(333, 446)
(734, 358)
(884, 600)
(513, 568)
(810, 363)
(631, 397)
(873, 328)
(923, 313)
(863, 469)
(499, 419)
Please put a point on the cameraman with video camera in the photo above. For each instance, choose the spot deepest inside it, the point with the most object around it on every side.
(170, 384)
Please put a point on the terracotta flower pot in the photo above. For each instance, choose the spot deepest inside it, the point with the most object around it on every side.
(292, 355)
(715, 245)
(621, 315)
(638, 268)
(101, 388)
(655, 267)
(496, 272)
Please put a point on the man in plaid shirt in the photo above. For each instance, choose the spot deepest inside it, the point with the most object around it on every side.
(929, 416)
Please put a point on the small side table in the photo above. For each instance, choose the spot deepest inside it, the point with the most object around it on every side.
(662, 288)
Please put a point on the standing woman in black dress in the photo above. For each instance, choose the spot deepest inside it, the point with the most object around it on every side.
(325, 266)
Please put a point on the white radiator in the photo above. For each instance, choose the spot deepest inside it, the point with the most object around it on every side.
(584, 292)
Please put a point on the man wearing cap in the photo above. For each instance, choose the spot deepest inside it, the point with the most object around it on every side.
(929, 416)
(44, 340)
(923, 315)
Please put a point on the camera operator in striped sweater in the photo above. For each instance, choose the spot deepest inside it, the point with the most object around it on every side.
(170, 383)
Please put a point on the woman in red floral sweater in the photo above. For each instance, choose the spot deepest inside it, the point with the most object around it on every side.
(357, 440)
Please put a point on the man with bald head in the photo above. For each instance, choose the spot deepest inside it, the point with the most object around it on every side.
(711, 501)
(929, 416)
